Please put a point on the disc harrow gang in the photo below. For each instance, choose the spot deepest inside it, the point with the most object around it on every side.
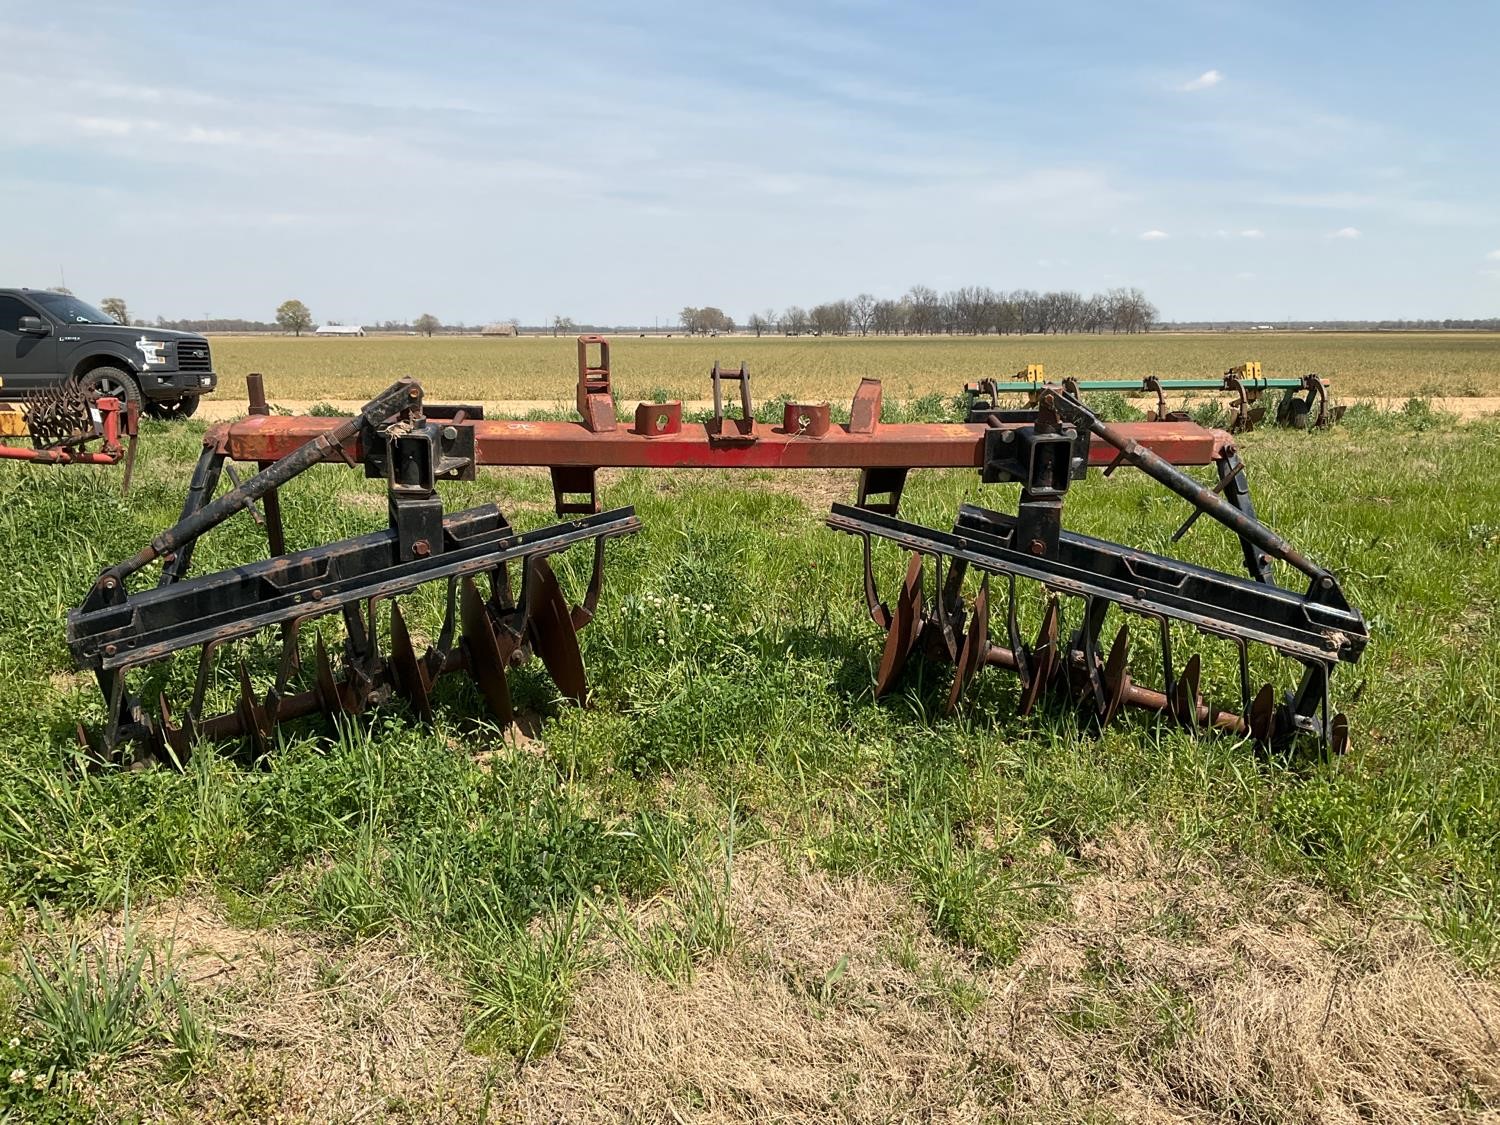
(1306, 402)
(1316, 631)
(501, 601)
(490, 624)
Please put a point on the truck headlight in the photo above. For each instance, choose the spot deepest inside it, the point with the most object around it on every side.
(151, 351)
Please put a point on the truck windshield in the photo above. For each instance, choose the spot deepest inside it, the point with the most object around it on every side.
(70, 310)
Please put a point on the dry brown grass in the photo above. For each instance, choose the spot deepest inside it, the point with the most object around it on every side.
(1168, 995)
(1173, 991)
(317, 1031)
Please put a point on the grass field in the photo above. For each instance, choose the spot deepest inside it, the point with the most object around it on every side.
(738, 887)
(542, 368)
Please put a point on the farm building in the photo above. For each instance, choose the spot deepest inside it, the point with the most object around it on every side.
(340, 330)
(499, 330)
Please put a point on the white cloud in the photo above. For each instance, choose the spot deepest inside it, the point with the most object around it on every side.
(1154, 235)
(1346, 232)
(1253, 232)
(110, 126)
(1493, 255)
(1204, 81)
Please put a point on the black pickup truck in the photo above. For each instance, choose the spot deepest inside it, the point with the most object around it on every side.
(47, 338)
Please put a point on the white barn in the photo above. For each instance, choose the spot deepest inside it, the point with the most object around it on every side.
(339, 330)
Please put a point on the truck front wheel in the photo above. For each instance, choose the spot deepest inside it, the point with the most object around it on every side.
(168, 409)
(112, 382)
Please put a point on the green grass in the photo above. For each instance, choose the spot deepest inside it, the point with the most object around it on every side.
(731, 662)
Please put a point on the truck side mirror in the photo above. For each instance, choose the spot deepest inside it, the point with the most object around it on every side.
(33, 326)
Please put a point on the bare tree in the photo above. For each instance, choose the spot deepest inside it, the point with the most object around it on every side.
(970, 310)
(888, 318)
(427, 324)
(862, 313)
(563, 324)
(115, 307)
(293, 317)
(925, 316)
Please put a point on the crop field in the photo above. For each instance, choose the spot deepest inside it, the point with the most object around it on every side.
(738, 887)
(541, 369)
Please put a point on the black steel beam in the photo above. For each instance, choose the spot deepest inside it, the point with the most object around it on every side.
(1140, 582)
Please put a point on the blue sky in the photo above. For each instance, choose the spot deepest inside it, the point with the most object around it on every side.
(613, 163)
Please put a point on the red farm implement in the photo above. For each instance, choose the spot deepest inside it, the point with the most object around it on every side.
(68, 426)
(503, 602)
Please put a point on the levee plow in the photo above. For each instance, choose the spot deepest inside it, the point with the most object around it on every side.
(501, 602)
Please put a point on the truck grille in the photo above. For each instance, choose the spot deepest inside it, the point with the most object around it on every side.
(193, 357)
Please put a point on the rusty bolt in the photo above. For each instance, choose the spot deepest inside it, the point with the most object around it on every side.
(110, 650)
(317, 595)
(1038, 547)
(517, 658)
(421, 548)
(109, 583)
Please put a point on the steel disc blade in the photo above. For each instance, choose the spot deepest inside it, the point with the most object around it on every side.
(906, 624)
(179, 739)
(254, 720)
(1263, 715)
(334, 697)
(1339, 735)
(1043, 660)
(411, 677)
(553, 637)
(1186, 700)
(1116, 678)
(485, 659)
(975, 648)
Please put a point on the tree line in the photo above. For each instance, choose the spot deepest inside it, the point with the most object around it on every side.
(974, 310)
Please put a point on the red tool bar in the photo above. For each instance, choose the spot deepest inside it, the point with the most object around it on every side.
(923, 445)
(57, 456)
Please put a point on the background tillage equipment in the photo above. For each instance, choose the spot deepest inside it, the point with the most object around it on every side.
(66, 425)
(504, 602)
(1306, 402)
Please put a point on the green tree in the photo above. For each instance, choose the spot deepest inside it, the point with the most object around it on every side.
(293, 317)
(427, 324)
